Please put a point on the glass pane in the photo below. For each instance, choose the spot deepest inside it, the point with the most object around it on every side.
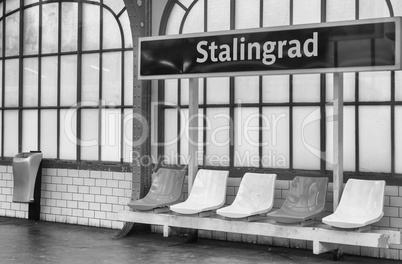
(1, 81)
(276, 13)
(128, 135)
(218, 15)
(338, 10)
(247, 89)
(397, 6)
(184, 91)
(195, 19)
(349, 152)
(11, 82)
(217, 137)
(31, 30)
(0, 127)
(174, 21)
(111, 78)
(110, 134)
(90, 27)
(171, 138)
(373, 9)
(29, 130)
(68, 134)
(12, 5)
(49, 81)
(171, 91)
(247, 14)
(306, 11)
(125, 23)
(30, 87)
(275, 137)
(128, 78)
(374, 86)
(69, 27)
(48, 133)
(218, 90)
(11, 133)
(398, 139)
(184, 125)
(111, 31)
(186, 3)
(115, 5)
(275, 89)
(68, 80)
(349, 83)
(13, 34)
(27, 2)
(306, 88)
(306, 138)
(246, 137)
(90, 78)
(1, 36)
(398, 85)
(89, 134)
(50, 25)
(374, 138)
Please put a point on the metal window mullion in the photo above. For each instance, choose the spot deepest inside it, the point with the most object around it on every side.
(232, 93)
(178, 125)
(40, 75)
(260, 96)
(357, 129)
(291, 99)
(21, 75)
(323, 111)
(79, 76)
(205, 94)
(3, 71)
(60, 14)
(393, 157)
(100, 104)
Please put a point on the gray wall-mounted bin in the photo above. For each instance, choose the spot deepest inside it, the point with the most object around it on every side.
(25, 170)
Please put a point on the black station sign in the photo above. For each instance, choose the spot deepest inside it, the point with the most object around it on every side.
(365, 45)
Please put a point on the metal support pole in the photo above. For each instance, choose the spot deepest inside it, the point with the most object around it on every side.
(338, 138)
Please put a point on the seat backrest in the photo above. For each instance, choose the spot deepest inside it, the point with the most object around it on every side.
(167, 184)
(209, 185)
(363, 196)
(307, 194)
(256, 192)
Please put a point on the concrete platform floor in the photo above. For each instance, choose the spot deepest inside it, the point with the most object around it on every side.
(23, 241)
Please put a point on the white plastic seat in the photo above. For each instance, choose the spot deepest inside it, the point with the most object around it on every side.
(361, 204)
(208, 193)
(255, 196)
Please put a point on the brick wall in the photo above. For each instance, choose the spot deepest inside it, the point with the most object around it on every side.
(73, 196)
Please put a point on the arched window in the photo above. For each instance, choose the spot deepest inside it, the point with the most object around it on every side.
(273, 122)
(66, 69)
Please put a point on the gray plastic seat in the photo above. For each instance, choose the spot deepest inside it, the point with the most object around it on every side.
(306, 199)
(165, 190)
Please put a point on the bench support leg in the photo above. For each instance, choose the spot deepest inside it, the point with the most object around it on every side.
(127, 227)
(322, 247)
(192, 236)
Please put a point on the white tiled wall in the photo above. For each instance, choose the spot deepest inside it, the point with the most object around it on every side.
(73, 196)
